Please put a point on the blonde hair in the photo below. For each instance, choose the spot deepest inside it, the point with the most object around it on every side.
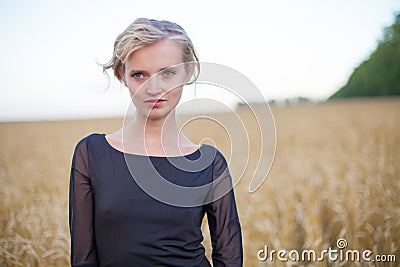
(144, 32)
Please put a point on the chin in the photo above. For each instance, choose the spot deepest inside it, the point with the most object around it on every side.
(158, 114)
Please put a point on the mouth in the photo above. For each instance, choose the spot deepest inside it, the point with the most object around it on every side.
(155, 102)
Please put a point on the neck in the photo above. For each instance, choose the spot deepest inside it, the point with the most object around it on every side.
(159, 131)
(156, 137)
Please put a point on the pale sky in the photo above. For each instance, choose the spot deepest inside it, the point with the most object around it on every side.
(287, 48)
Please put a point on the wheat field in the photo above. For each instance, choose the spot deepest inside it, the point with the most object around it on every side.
(336, 174)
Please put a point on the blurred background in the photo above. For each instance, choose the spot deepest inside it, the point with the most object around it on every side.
(329, 70)
(287, 48)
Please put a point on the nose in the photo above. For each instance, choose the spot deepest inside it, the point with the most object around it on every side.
(153, 86)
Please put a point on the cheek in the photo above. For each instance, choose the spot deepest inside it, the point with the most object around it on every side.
(175, 93)
(137, 96)
(135, 89)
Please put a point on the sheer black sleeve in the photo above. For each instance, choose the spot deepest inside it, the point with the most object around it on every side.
(81, 210)
(223, 220)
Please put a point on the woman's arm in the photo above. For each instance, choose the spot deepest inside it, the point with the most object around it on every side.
(223, 220)
(81, 209)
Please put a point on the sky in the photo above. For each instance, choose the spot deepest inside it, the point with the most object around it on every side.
(50, 50)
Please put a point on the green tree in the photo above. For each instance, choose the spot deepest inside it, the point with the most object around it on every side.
(379, 75)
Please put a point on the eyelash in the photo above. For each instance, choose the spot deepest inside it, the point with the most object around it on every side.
(137, 75)
(170, 72)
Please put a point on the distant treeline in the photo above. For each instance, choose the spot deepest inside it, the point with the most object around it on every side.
(280, 102)
(379, 75)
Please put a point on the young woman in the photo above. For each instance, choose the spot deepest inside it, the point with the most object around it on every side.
(115, 220)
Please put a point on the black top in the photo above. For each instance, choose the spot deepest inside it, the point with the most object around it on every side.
(114, 222)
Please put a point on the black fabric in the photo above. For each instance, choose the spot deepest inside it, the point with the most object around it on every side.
(113, 222)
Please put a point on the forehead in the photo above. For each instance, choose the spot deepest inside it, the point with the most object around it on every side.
(156, 56)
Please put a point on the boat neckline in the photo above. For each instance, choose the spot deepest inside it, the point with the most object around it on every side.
(151, 156)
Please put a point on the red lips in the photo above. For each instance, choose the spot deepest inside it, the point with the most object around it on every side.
(155, 102)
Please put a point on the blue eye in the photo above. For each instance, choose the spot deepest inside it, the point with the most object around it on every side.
(137, 75)
(168, 73)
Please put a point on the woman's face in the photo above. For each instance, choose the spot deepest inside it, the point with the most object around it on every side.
(155, 75)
